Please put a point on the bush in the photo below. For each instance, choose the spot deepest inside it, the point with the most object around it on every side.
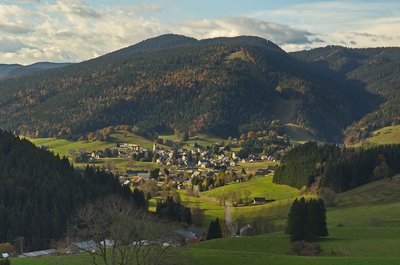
(328, 196)
(5, 262)
(303, 248)
(7, 248)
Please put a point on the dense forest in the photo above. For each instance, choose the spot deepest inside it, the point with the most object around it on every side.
(39, 191)
(339, 169)
(377, 68)
(223, 86)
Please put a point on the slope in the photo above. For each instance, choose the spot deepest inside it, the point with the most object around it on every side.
(177, 83)
(377, 68)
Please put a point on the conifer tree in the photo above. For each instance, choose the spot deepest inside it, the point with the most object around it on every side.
(214, 229)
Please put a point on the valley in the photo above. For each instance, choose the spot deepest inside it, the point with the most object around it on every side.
(218, 137)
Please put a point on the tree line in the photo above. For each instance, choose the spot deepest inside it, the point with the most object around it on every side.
(339, 169)
(39, 191)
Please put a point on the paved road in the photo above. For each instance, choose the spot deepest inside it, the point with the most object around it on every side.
(228, 219)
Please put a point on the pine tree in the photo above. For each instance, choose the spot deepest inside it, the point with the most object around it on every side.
(214, 230)
(322, 227)
(307, 220)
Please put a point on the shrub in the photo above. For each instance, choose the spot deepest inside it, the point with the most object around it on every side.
(5, 262)
(7, 248)
(303, 248)
(328, 196)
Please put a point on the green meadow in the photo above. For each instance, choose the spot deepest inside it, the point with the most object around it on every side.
(362, 231)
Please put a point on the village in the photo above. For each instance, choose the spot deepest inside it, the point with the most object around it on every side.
(195, 167)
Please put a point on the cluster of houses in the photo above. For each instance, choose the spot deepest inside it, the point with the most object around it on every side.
(198, 157)
(124, 150)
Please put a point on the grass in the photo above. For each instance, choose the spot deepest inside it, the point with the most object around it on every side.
(238, 55)
(62, 146)
(201, 139)
(256, 165)
(353, 239)
(210, 206)
(259, 187)
(377, 192)
(298, 133)
(386, 135)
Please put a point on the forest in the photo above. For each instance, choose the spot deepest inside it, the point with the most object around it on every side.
(180, 84)
(339, 169)
(39, 192)
(377, 69)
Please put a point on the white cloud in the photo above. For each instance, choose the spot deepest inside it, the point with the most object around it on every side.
(71, 30)
(235, 26)
(351, 23)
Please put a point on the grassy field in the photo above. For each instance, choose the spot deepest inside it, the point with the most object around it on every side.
(201, 139)
(238, 55)
(255, 165)
(386, 135)
(298, 133)
(62, 146)
(353, 239)
(259, 187)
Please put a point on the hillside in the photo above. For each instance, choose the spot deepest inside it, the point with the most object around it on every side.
(222, 86)
(39, 191)
(377, 68)
(385, 135)
(17, 70)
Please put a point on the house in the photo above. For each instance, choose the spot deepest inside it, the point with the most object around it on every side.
(144, 175)
(259, 200)
(192, 235)
(40, 253)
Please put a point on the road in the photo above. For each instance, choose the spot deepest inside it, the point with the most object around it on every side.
(228, 219)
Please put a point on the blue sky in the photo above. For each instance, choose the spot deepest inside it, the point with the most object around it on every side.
(77, 30)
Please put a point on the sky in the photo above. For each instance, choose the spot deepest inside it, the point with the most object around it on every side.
(78, 30)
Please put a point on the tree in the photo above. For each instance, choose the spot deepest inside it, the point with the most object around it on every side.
(214, 229)
(154, 173)
(307, 220)
(296, 219)
(115, 232)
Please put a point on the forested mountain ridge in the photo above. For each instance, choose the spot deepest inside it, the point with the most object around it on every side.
(222, 86)
(377, 68)
(17, 70)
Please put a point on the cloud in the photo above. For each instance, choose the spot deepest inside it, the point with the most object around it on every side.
(8, 45)
(72, 30)
(235, 26)
(14, 28)
(355, 23)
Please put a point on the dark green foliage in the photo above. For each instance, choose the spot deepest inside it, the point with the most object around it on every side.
(303, 248)
(302, 164)
(356, 167)
(307, 220)
(186, 86)
(340, 170)
(377, 68)
(139, 199)
(5, 262)
(214, 230)
(39, 191)
(173, 211)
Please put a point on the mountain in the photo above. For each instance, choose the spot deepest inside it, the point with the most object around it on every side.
(17, 70)
(224, 86)
(377, 68)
